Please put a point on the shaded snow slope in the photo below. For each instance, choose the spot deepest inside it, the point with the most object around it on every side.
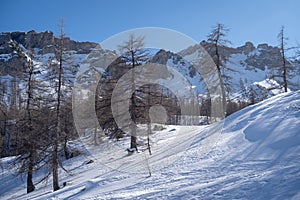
(255, 156)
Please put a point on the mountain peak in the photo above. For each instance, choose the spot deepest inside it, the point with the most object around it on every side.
(162, 56)
(247, 48)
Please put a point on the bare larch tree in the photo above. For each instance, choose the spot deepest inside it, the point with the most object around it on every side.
(217, 39)
(133, 53)
(282, 40)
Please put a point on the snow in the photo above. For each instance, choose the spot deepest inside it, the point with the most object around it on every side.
(183, 67)
(194, 56)
(5, 57)
(271, 85)
(7, 77)
(267, 83)
(253, 154)
(241, 73)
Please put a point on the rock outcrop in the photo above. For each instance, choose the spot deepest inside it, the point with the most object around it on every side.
(38, 43)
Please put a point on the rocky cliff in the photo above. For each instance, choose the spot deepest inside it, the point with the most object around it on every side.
(39, 44)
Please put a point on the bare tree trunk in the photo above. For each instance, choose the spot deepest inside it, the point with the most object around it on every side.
(284, 76)
(55, 163)
(4, 135)
(218, 64)
(57, 132)
(30, 185)
(65, 147)
(58, 116)
(55, 146)
(283, 60)
(149, 121)
(133, 144)
(148, 138)
(95, 136)
(30, 139)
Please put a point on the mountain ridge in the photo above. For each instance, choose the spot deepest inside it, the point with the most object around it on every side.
(42, 43)
(251, 65)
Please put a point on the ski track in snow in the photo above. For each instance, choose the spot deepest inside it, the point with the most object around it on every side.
(253, 154)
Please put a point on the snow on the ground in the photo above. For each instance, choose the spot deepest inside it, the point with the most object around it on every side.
(253, 154)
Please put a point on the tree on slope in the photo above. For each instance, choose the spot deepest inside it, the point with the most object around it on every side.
(62, 72)
(217, 39)
(62, 83)
(32, 141)
(284, 71)
(133, 54)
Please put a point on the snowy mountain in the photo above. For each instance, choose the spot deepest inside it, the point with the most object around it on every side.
(42, 46)
(252, 154)
(251, 67)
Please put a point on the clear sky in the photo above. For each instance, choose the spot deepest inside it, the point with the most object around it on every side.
(258, 21)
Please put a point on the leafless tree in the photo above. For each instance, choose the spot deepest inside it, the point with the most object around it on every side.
(27, 123)
(282, 40)
(284, 71)
(57, 76)
(217, 39)
(133, 54)
(62, 70)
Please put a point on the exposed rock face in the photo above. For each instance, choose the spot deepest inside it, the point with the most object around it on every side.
(224, 51)
(38, 40)
(40, 43)
(247, 48)
(44, 41)
(263, 56)
(161, 57)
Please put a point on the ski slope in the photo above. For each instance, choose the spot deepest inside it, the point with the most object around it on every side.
(253, 154)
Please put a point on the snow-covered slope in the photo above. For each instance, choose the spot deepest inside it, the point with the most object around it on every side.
(253, 154)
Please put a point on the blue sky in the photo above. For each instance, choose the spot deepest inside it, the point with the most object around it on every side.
(258, 21)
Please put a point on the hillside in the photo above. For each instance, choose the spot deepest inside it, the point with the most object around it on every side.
(253, 154)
